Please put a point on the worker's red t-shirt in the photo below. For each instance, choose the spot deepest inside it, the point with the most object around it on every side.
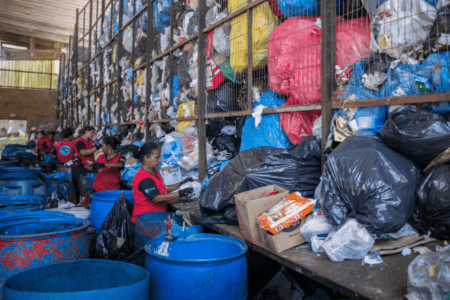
(41, 146)
(88, 145)
(141, 194)
(50, 145)
(108, 179)
(65, 151)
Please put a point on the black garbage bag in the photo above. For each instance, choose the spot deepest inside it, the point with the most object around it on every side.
(132, 149)
(54, 199)
(440, 27)
(223, 98)
(115, 239)
(419, 134)
(213, 127)
(281, 287)
(296, 168)
(433, 203)
(224, 142)
(365, 180)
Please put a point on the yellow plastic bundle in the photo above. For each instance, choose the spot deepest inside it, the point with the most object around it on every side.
(181, 113)
(264, 22)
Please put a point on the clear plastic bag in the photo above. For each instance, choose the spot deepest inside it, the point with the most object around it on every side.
(197, 186)
(429, 277)
(350, 241)
(316, 225)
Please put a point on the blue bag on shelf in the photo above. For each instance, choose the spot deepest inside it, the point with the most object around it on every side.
(439, 66)
(370, 120)
(269, 132)
(292, 8)
(172, 150)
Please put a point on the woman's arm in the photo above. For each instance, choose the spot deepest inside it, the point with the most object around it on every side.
(165, 198)
(89, 152)
(118, 165)
(173, 187)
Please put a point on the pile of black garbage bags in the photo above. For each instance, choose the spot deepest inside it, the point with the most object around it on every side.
(383, 181)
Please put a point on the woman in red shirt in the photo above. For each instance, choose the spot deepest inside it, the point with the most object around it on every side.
(65, 150)
(108, 166)
(42, 142)
(84, 149)
(149, 192)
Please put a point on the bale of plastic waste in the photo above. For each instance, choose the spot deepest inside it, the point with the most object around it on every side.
(365, 180)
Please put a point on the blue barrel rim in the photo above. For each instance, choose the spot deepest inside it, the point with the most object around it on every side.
(82, 227)
(202, 236)
(20, 199)
(97, 196)
(145, 274)
(18, 177)
(158, 213)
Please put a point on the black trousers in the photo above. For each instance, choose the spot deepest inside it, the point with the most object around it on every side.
(77, 171)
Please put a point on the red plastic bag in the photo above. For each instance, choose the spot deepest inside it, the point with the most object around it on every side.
(298, 125)
(295, 58)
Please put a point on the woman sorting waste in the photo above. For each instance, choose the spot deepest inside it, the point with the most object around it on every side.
(43, 143)
(64, 151)
(108, 166)
(84, 149)
(149, 192)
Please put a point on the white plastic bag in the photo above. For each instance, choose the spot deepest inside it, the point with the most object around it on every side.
(351, 241)
(400, 24)
(197, 186)
(221, 39)
(315, 225)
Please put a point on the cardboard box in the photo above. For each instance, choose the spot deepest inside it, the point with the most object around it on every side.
(250, 204)
(287, 239)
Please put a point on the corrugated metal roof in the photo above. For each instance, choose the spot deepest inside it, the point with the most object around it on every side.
(47, 19)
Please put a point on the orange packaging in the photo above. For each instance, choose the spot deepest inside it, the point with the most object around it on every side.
(285, 213)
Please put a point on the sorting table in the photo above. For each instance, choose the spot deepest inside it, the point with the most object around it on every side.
(350, 277)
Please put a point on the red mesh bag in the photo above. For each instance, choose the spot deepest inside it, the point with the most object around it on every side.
(294, 55)
(298, 125)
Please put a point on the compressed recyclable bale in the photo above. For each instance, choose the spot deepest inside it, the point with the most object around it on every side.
(295, 55)
(419, 134)
(433, 203)
(365, 180)
(292, 8)
(296, 168)
(437, 39)
(264, 22)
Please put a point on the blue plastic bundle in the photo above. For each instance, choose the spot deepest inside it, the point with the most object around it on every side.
(129, 172)
(162, 20)
(269, 132)
(172, 150)
(292, 8)
(439, 66)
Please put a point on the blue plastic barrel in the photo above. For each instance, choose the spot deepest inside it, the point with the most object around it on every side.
(20, 203)
(7, 164)
(198, 266)
(83, 279)
(178, 230)
(149, 226)
(86, 190)
(31, 240)
(22, 186)
(61, 182)
(17, 172)
(101, 204)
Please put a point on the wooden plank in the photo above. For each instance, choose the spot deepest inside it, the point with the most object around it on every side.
(379, 282)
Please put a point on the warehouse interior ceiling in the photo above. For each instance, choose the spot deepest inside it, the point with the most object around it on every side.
(44, 25)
